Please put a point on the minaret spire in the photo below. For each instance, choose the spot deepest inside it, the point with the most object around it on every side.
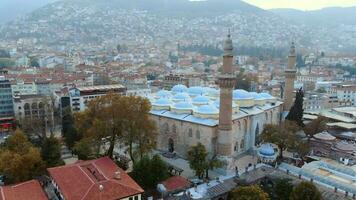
(226, 83)
(290, 73)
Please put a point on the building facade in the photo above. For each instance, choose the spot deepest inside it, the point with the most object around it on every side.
(6, 103)
(80, 96)
(227, 122)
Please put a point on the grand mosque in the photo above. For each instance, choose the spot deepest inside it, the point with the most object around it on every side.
(227, 122)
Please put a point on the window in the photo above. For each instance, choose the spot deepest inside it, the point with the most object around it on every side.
(197, 134)
(131, 198)
(242, 144)
(190, 133)
(236, 147)
(136, 197)
(174, 128)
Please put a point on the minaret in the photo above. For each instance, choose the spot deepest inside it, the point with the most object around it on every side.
(226, 84)
(289, 72)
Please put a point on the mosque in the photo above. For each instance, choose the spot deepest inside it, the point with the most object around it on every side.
(227, 122)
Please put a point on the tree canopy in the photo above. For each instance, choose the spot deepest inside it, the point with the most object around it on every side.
(296, 112)
(19, 159)
(51, 152)
(252, 192)
(305, 191)
(149, 172)
(316, 126)
(283, 135)
(201, 162)
(117, 118)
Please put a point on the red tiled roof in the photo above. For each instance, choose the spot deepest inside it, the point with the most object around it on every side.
(176, 183)
(30, 190)
(81, 180)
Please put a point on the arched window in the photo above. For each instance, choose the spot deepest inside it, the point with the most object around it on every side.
(174, 128)
(190, 132)
(236, 147)
(34, 106)
(165, 128)
(239, 125)
(245, 125)
(27, 109)
(266, 116)
(242, 144)
(197, 134)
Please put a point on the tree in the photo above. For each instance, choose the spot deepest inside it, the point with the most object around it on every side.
(51, 152)
(316, 126)
(69, 132)
(253, 192)
(34, 62)
(83, 149)
(244, 81)
(201, 162)
(305, 191)
(296, 112)
(283, 189)
(283, 135)
(114, 117)
(149, 172)
(197, 159)
(19, 159)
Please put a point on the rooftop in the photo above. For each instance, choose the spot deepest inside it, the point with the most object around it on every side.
(30, 190)
(82, 180)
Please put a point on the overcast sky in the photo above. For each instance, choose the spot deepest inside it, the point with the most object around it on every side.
(301, 4)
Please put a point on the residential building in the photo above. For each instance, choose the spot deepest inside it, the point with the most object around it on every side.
(30, 190)
(99, 179)
(6, 104)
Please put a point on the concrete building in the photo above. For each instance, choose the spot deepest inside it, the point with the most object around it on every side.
(6, 103)
(346, 94)
(80, 96)
(24, 88)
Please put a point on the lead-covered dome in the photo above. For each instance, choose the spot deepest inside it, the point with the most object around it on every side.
(182, 107)
(181, 97)
(179, 88)
(207, 111)
(161, 104)
(163, 94)
(194, 91)
(201, 100)
(243, 98)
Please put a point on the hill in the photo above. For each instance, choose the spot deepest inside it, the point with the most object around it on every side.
(327, 16)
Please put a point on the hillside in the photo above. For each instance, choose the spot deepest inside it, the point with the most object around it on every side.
(327, 16)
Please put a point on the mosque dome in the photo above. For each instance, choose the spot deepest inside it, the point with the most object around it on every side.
(163, 94)
(235, 107)
(259, 99)
(182, 107)
(207, 109)
(179, 88)
(181, 97)
(200, 100)
(212, 92)
(161, 104)
(266, 150)
(196, 91)
(241, 94)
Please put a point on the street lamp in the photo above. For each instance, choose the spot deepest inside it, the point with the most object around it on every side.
(101, 188)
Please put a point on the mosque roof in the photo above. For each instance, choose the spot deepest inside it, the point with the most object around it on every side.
(266, 150)
(163, 93)
(196, 90)
(207, 109)
(184, 105)
(162, 102)
(201, 99)
(179, 88)
(241, 94)
(181, 97)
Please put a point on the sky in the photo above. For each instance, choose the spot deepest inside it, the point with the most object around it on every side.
(301, 4)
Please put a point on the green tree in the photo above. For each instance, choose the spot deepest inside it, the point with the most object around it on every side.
(201, 162)
(83, 149)
(51, 152)
(244, 81)
(69, 131)
(34, 62)
(305, 191)
(197, 159)
(296, 112)
(149, 172)
(283, 135)
(19, 159)
(283, 189)
(252, 192)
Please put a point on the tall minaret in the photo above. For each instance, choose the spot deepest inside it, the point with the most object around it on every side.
(289, 72)
(226, 84)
